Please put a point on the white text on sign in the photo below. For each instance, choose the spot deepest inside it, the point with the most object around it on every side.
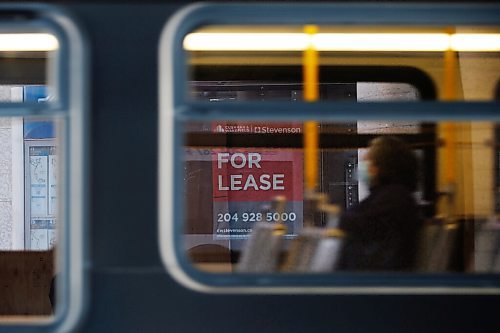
(243, 182)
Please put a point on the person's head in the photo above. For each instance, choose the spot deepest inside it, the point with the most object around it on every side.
(391, 161)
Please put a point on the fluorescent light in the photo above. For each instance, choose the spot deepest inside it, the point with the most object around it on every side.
(246, 41)
(476, 42)
(341, 42)
(28, 42)
(380, 42)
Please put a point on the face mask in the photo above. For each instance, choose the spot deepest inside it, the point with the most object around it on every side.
(363, 175)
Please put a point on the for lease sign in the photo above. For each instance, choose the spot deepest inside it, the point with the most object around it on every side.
(246, 180)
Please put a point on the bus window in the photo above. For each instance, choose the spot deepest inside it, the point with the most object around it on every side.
(30, 176)
(236, 172)
(38, 139)
(302, 153)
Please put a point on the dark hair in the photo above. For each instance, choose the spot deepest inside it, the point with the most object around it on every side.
(396, 162)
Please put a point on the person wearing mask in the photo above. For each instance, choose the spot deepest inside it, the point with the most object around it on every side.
(382, 230)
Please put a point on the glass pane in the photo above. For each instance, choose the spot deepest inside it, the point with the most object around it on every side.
(31, 173)
(263, 63)
(26, 60)
(390, 196)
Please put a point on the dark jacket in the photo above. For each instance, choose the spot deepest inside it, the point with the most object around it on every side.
(382, 231)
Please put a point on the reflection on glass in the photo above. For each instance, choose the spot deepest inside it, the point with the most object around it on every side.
(29, 177)
(374, 210)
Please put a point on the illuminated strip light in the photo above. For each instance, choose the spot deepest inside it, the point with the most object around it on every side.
(341, 42)
(246, 42)
(475, 42)
(381, 42)
(28, 42)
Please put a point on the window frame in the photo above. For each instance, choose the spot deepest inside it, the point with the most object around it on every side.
(176, 109)
(69, 78)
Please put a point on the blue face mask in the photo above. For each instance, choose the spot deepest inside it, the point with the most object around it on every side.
(363, 175)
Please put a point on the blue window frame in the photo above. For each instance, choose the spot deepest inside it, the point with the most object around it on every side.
(67, 78)
(176, 110)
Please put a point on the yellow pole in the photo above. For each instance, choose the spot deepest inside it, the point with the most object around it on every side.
(449, 128)
(450, 63)
(311, 93)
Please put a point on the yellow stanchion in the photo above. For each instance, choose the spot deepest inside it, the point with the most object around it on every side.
(310, 62)
(449, 128)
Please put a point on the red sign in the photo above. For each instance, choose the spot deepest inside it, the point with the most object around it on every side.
(246, 180)
(256, 174)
